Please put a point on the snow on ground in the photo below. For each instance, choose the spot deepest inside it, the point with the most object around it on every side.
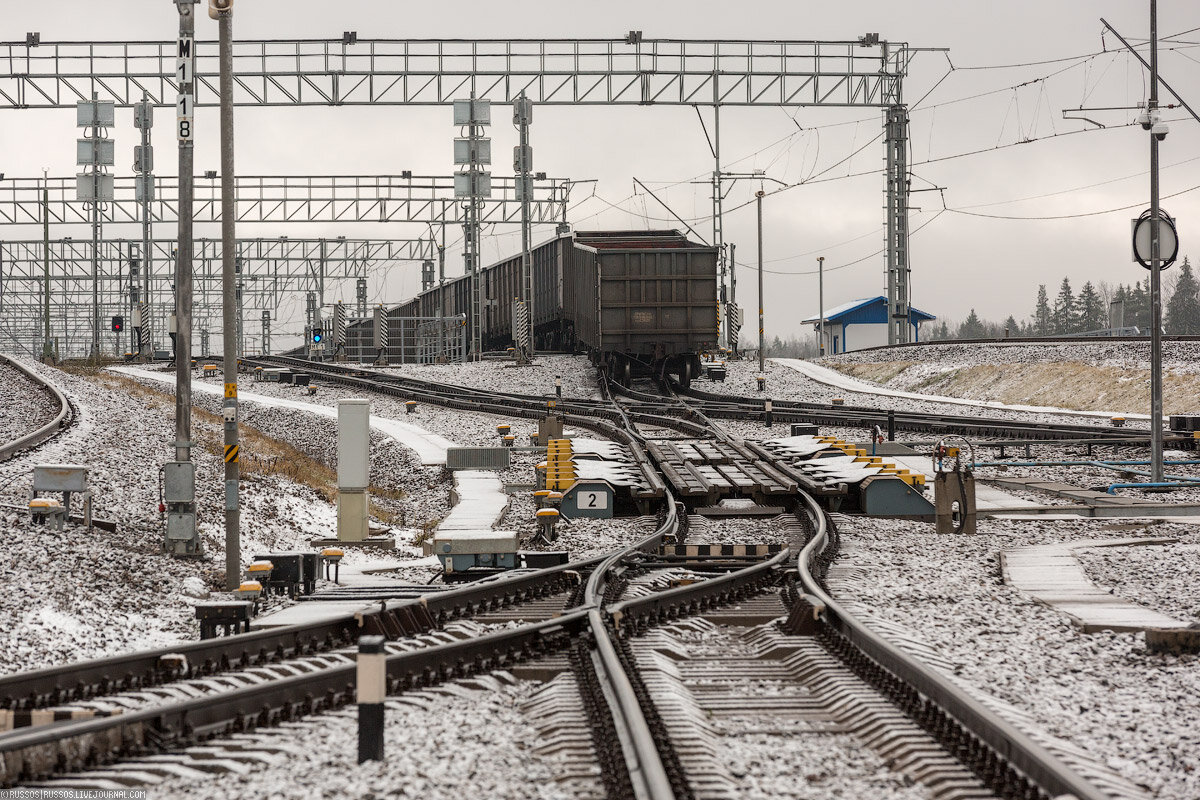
(784, 383)
(76, 594)
(1136, 712)
(438, 744)
(1090, 374)
(577, 373)
(24, 406)
(841, 382)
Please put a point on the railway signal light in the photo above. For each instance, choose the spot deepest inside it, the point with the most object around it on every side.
(317, 335)
(118, 324)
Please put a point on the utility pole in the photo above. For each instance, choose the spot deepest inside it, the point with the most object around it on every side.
(179, 476)
(143, 163)
(821, 300)
(758, 197)
(1156, 404)
(47, 348)
(222, 11)
(473, 185)
(735, 331)
(94, 185)
(523, 166)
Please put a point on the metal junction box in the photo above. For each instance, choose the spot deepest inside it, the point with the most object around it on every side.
(181, 526)
(60, 478)
(179, 482)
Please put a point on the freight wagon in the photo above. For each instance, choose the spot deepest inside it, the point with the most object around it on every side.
(639, 302)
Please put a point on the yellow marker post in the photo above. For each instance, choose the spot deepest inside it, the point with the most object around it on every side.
(231, 390)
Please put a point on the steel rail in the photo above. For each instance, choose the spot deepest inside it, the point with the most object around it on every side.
(55, 426)
(38, 752)
(785, 410)
(1033, 762)
(69, 682)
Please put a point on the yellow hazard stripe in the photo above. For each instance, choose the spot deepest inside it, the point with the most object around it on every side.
(231, 453)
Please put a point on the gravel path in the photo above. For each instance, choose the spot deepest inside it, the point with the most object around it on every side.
(24, 406)
(1135, 712)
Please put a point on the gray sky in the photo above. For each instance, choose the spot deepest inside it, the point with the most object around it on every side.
(959, 261)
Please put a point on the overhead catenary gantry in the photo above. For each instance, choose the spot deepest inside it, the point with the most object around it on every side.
(350, 71)
(281, 198)
(269, 271)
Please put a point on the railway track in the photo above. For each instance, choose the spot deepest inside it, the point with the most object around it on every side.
(60, 422)
(607, 632)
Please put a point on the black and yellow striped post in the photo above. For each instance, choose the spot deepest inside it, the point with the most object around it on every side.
(371, 693)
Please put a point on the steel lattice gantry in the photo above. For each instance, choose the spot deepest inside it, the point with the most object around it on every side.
(269, 272)
(352, 71)
(635, 70)
(259, 198)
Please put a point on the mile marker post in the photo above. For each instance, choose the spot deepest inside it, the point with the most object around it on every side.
(371, 692)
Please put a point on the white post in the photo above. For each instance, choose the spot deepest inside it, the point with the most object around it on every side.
(354, 468)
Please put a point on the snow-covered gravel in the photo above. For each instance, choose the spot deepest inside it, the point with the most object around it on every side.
(577, 373)
(1179, 356)
(24, 406)
(740, 530)
(784, 383)
(1136, 712)
(450, 742)
(1095, 374)
(1160, 577)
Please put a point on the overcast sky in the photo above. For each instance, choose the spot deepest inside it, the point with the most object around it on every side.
(1065, 168)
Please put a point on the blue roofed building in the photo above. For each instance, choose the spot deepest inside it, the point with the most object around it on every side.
(863, 323)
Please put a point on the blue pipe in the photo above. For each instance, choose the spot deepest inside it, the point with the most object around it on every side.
(1105, 464)
(1112, 488)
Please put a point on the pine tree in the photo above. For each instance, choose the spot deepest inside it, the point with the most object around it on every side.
(971, 328)
(1183, 309)
(1062, 316)
(1089, 310)
(1011, 327)
(1041, 313)
(1137, 306)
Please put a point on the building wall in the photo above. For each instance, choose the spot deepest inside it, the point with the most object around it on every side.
(858, 335)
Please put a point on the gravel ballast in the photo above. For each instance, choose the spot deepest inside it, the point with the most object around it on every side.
(24, 406)
(1135, 712)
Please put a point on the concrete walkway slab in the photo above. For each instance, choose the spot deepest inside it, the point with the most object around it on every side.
(1053, 576)
(429, 447)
